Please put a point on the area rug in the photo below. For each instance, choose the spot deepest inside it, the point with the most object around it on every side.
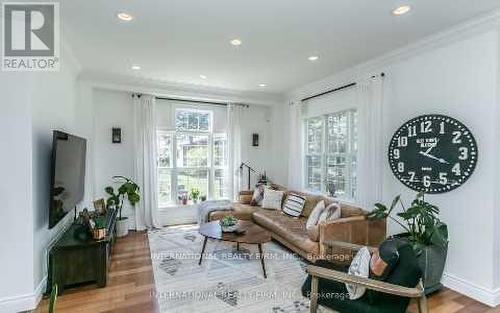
(228, 280)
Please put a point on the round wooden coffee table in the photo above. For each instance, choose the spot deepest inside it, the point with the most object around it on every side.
(254, 234)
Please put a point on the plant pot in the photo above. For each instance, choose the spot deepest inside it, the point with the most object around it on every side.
(122, 227)
(431, 260)
(229, 228)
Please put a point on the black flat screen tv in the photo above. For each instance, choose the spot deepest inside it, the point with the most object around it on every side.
(67, 185)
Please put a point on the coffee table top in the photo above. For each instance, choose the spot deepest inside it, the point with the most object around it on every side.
(254, 233)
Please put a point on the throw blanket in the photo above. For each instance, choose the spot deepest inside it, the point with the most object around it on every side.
(206, 207)
(360, 266)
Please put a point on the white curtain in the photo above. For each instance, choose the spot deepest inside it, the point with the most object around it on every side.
(295, 154)
(371, 145)
(234, 115)
(145, 161)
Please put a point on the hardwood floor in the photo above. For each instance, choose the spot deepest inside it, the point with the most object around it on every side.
(130, 287)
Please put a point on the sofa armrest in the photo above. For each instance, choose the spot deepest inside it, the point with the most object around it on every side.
(356, 230)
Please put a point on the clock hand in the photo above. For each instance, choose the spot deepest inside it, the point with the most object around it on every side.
(434, 158)
(432, 147)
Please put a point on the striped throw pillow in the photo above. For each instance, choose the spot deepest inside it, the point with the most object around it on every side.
(294, 205)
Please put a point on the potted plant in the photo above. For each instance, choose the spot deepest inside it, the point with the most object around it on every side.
(425, 232)
(228, 223)
(195, 194)
(130, 190)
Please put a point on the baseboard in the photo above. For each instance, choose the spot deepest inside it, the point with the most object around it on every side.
(471, 290)
(23, 302)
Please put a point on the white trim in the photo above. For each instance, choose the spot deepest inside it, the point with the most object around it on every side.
(177, 90)
(472, 290)
(481, 24)
(23, 302)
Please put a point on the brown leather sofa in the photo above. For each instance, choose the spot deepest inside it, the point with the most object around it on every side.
(352, 227)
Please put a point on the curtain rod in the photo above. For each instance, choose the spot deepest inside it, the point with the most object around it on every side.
(201, 101)
(336, 89)
(329, 91)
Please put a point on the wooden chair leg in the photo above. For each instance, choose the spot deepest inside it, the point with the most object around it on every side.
(422, 305)
(422, 301)
(313, 306)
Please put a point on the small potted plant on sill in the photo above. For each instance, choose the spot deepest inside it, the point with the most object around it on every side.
(130, 190)
(425, 232)
(195, 194)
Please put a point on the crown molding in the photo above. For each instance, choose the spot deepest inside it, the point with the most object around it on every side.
(178, 90)
(462, 31)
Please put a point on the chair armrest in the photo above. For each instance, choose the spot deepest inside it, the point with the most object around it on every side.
(347, 245)
(372, 284)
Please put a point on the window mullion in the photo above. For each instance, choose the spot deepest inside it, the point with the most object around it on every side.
(174, 169)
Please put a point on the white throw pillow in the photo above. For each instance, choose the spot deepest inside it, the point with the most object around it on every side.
(272, 199)
(312, 221)
(360, 266)
(332, 212)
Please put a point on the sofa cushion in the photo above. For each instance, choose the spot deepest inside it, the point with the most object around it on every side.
(294, 205)
(239, 210)
(273, 199)
(291, 229)
(350, 210)
(311, 201)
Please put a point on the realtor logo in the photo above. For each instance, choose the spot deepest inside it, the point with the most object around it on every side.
(31, 36)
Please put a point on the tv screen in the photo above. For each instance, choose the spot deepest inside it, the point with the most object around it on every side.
(68, 174)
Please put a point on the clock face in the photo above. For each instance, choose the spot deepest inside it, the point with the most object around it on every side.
(433, 153)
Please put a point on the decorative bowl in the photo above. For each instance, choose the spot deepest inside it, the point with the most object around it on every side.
(228, 223)
(229, 228)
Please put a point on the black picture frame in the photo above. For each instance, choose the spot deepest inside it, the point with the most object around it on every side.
(116, 135)
(255, 140)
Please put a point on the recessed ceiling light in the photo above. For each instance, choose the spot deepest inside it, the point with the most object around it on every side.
(262, 85)
(135, 67)
(236, 42)
(203, 77)
(401, 10)
(125, 16)
(313, 58)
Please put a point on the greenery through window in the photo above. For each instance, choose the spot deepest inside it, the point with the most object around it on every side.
(330, 153)
(191, 157)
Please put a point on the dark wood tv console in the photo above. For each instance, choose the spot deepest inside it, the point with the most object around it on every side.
(77, 259)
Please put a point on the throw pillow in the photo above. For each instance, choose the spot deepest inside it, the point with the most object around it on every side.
(258, 196)
(360, 266)
(332, 212)
(384, 259)
(312, 221)
(294, 205)
(272, 199)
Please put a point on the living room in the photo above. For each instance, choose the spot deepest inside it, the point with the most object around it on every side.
(184, 156)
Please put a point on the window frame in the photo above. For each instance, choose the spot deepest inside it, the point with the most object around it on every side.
(175, 170)
(350, 155)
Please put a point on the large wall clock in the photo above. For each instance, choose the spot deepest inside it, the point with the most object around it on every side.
(433, 153)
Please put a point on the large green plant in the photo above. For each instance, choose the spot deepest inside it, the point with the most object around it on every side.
(420, 221)
(129, 189)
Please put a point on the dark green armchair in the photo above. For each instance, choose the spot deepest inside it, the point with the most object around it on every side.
(325, 285)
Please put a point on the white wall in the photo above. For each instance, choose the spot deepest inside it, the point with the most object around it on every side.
(33, 104)
(16, 246)
(459, 79)
(114, 109)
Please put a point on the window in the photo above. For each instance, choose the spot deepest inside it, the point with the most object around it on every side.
(330, 153)
(192, 157)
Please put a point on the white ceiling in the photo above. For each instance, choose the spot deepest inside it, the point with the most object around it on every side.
(175, 41)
